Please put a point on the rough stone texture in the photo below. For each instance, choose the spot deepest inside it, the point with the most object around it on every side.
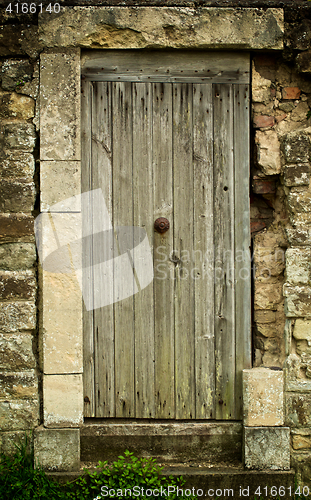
(267, 295)
(296, 147)
(60, 411)
(298, 266)
(18, 285)
(299, 235)
(14, 72)
(267, 448)
(19, 415)
(298, 410)
(17, 135)
(15, 228)
(17, 106)
(17, 256)
(60, 105)
(16, 316)
(299, 204)
(60, 180)
(15, 164)
(57, 449)
(303, 61)
(268, 152)
(153, 27)
(17, 352)
(9, 440)
(263, 397)
(291, 93)
(168, 442)
(18, 385)
(296, 175)
(297, 301)
(302, 330)
(301, 462)
(17, 196)
(301, 439)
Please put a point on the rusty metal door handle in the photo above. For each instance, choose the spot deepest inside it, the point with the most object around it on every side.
(161, 225)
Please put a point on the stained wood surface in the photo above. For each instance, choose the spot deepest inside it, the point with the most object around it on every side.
(174, 349)
(166, 66)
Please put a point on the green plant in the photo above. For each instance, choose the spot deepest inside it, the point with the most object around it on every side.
(130, 477)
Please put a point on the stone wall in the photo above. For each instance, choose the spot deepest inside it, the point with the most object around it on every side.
(19, 373)
(280, 208)
(281, 219)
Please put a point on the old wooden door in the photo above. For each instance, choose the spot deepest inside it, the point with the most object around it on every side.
(167, 135)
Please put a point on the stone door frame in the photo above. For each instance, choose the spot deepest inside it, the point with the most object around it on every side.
(63, 36)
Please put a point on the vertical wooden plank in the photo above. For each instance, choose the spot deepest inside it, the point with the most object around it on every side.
(103, 251)
(242, 238)
(183, 245)
(123, 216)
(143, 218)
(224, 252)
(86, 186)
(163, 248)
(202, 273)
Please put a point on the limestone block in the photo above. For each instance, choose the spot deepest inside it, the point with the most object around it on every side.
(17, 196)
(17, 164)
(16, 352)
(18, 385)
(17, 106)
(15, 227)
(297, 175)
(298, 266)
(15, 71)
(302, 330)
(60, 180)
(20, 285)
(264, 316)
(20, 39)
(17, 256)
(60, 105)
(57, 449)
(267, 448)
(297, 301)
(267, 295)
(9, 440)
(268, 261)
(19, 136)
(301, 439)
(160, 27)
(299, 113)
(19, 414)
(298, 410)
(63, 400)
(261, 92)
(303, 347)
(298, 235)
(268, 152)
(296, 147)
(16, 316)
(263, 400)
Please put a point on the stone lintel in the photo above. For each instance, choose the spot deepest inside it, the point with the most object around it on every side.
(163, 27)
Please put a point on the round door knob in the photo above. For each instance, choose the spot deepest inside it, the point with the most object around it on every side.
(161, 225)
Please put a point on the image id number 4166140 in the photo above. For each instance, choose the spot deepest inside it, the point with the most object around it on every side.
(32, 8)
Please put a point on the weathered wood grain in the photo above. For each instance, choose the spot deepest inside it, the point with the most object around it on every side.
(122, 193)
(183, 249)
(103, 251)
(242, 238)
(87, 272)
(202, 273)
(224, 252)
(143, 217)
(162, 144)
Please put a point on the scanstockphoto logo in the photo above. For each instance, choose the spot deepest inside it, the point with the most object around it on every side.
(77, 236)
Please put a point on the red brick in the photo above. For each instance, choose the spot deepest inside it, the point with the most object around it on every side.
(263, 186)
(257, 226)
(291, 93)
(261, 121)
